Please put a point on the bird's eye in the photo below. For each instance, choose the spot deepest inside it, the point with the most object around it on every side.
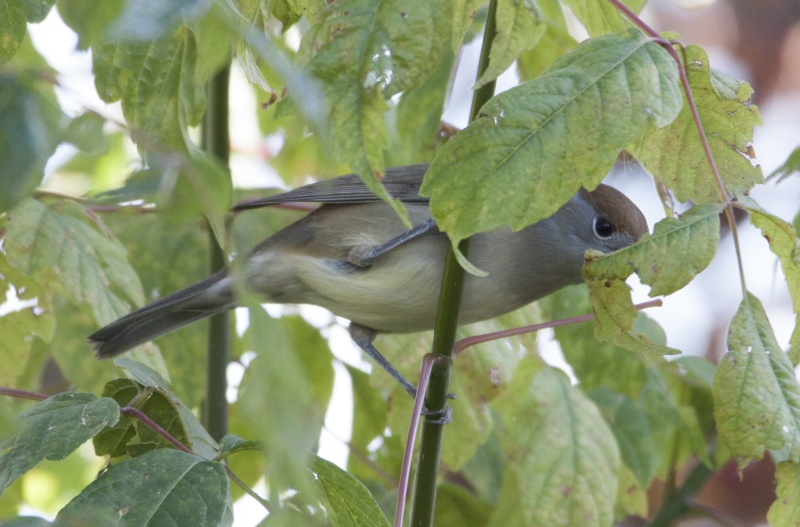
(603, 228)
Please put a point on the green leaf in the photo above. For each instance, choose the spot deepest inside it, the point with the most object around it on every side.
(419, 117)
(13, 28)
(31, 123)
(565, 459)
(307, 8)
(233, 444)
(155, 82)
(34, 319)
(783, 242)
(365, 51)
(86, 133)
(464, 12)
(674, 154)
(162, 487)
(151, 19)
(54, 428)
(35, 10)
(113, 441)
(631, 499)
(555, 41)
(671, 257)
(351, 504)
(789, 167)
(197, 184)
(60, 237)
(278, 398)
(455, 505)
(600, 17)
(518, 29)
(90, 19)
(168, 411)
(594, 362)
(169, 258)
(757, 397)
(631, 427)
(614, 318)
(533, 146)
(785, 511)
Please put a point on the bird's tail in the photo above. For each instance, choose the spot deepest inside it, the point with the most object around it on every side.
(203, 299)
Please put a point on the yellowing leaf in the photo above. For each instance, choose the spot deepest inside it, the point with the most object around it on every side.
(155, 82)
(614, 318)
(785, 511)
(671, 257)
(674, 154)
(756, 395)
(533, 146)
(518, 29)
(365, 51)
(564, 461)
(600, 17)
(783, 241)
(85, 260)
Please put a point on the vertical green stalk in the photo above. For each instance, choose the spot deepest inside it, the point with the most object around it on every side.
(216, 142)
(444, 335)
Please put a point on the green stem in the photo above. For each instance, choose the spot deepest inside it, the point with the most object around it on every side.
(679, 503)
(215, 142)
(444, 335)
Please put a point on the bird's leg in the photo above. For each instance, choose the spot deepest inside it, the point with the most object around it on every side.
(363, 337)
(365, 256)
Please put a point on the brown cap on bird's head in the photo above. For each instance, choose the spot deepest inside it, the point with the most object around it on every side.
(613, 204)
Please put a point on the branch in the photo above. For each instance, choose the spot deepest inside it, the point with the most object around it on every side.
(445, 331)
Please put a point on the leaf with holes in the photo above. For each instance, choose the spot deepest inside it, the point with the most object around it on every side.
(53, 429)
(668, 259)
(675, 155)
(615, 316)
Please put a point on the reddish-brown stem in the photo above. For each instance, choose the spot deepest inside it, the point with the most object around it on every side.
(465, 343)
(405, 470)
(23, 394)
(723, 193)
(155, 427)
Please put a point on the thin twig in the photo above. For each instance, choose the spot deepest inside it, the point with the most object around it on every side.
(23, 394)
(419, 401)
(250, 492)
(155, 427)
(467, 342)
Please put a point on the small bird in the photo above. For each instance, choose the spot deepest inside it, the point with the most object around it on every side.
(354, 257)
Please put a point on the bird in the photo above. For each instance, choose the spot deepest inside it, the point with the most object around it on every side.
(355, 257)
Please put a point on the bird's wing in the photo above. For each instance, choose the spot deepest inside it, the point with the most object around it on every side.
(402, 183)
